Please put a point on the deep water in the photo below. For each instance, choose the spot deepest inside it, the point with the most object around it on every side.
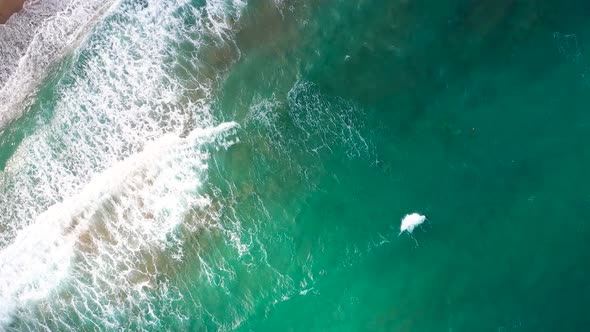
(340, 117)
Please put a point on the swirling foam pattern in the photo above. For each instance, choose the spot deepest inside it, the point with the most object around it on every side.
(91, 201)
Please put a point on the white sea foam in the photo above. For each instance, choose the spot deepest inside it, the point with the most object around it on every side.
(124, 213)
(121, 96)
(34, 39)
(87, 209)
(411, 221)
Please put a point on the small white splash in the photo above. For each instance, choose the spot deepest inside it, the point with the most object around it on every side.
(410, 221)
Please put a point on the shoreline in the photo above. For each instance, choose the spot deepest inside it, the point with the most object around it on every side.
(8, 8)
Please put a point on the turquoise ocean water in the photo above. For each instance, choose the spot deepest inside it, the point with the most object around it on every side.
(230, 165)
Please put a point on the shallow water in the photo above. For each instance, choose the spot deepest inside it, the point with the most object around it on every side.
(232, 165)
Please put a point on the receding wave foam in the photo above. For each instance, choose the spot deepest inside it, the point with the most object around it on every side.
(87, 208)
(327, 121)
(34, 39)
(101, 250)
(129, 86)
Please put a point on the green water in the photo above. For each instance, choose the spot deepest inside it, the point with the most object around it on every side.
(474, 118)
(355, 113)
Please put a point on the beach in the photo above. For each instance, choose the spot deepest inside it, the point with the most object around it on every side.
(9, 7)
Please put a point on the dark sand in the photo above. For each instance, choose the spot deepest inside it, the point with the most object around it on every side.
(9, 7)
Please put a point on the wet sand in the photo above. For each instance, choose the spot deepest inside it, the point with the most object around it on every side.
(9, 7)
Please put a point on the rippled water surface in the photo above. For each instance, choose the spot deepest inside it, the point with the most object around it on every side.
(244, 165)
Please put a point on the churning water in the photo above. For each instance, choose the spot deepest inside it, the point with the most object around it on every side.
(204, 165)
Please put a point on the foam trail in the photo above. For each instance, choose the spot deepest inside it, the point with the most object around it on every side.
(122, 218)
(327, 121)
(34, 39)
(105, 111)
(88, 210)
